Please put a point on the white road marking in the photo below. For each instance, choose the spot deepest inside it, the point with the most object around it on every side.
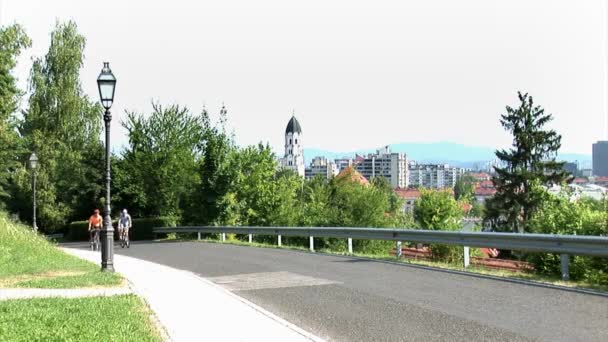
(267, 280)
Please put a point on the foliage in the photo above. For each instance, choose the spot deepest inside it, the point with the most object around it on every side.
(558, 215)
(62, 125)
(210, 199)
(464, 189)
(528, 164)
(116, 318)
(156, 173)
(13, 41)
(26, 255)
(438, 210)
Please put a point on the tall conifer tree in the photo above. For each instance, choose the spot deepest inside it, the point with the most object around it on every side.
(527, 165)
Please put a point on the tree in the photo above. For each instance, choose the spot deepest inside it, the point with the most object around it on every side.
(216, 176)
(437, 210)
(529, 164)
(464, 189)
(13, 41)
(158, 170)
(62, 125)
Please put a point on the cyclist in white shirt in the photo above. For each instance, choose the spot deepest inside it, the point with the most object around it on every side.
(124, 224)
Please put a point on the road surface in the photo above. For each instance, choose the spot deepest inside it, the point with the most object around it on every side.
(351, 299)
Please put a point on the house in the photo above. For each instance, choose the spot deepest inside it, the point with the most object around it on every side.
(481, 176)
(481, 193)
(409, 196)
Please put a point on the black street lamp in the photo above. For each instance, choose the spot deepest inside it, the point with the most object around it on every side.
(33, 165)
(107, 83)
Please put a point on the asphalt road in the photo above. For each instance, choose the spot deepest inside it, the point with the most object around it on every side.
(352, 299)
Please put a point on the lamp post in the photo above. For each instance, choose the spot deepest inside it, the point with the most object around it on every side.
(33, 165)
(106, 82)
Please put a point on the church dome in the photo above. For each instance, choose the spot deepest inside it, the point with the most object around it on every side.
(293, 126)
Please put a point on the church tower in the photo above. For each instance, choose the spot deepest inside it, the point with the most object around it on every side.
(294, 151)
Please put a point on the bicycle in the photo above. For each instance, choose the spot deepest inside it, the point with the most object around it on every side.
(124, 238)
(94, 240)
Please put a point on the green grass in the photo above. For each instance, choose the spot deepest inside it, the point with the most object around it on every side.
(456, 267)
(117, 318)
(29, 260)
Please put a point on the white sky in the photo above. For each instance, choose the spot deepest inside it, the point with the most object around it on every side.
(359, 74)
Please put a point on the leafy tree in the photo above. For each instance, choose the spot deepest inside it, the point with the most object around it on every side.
(63, 126)
(437, 210)
(13, 41)
(560, 215)
(216, 176)
(464, 189)
(158, 169)
(529, 164)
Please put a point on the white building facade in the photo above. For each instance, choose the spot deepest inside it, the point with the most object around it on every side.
(321, 166)
(433, 176)
(293, 159)
(392, 166)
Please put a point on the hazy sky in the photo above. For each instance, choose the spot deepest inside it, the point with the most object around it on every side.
(359, 74)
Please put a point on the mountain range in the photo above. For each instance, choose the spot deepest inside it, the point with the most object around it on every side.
(440, 152)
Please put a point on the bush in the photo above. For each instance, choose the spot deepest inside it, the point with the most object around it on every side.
(558, 215)
(142, 228)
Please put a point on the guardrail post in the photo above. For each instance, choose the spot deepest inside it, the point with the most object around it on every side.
(199, 235)
(398, 250)
(223, 237)
(565, 258)
(279, 241)
(312, 244)
(250, 238)
(350, 245)
(467, 259)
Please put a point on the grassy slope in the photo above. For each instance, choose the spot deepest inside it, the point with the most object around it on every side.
(118, 318)
(28, 260)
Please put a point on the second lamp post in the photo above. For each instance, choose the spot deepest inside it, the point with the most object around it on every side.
(33, 165)
(107, 83)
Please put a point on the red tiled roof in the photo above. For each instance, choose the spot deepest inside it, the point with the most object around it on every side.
(408, 193)
(580, 181)
(352, 175)
(480, 176)
(485, 192)
(600, 179)
(486, 184)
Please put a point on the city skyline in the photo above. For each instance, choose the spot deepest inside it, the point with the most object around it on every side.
(383, 76)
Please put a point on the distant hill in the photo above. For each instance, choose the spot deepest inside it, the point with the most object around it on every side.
(440, 152)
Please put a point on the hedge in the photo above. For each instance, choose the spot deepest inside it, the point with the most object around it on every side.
(141, 230)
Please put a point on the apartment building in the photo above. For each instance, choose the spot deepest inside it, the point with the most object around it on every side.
(392, 166)
(433, 176)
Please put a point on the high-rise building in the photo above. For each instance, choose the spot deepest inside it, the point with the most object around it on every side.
(571, 168)
(343, 163)
(600, 158)
(294, 151)
(433, 176)
(321, 166)
(392, 166)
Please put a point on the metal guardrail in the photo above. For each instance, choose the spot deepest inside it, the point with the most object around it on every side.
(569, 244)
(563, 244)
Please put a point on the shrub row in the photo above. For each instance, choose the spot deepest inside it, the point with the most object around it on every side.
(142, 228)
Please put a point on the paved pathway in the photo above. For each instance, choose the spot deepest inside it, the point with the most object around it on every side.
(21, 293)
(192, 308)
